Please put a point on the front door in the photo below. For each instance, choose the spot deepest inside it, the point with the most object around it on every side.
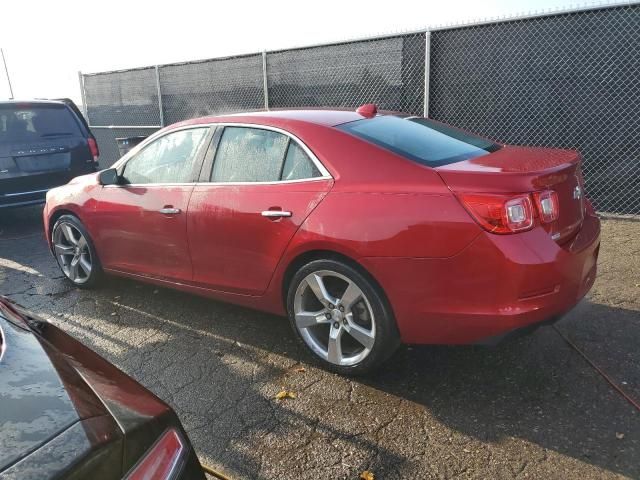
(262, 186)
(140, 226)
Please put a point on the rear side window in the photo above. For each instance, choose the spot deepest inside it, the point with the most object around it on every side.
(422, 140)
(249, 155)
(298, 165)
(246, 154)
(32, 123)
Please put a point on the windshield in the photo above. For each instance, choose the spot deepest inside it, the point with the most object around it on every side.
(420, 139)
(32, 123)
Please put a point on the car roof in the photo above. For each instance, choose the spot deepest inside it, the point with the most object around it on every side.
(318, 116)
(31, 102)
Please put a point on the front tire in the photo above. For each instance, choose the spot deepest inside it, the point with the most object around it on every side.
(74, 251)
(341, 316)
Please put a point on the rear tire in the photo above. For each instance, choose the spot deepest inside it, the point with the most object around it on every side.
(75, 253)
(341, 316)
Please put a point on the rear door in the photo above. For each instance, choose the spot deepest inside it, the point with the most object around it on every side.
(141, 226)
(42, 145)
(249, 204)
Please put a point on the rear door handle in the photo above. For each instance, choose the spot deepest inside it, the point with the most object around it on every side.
(275, 213)
(169, 211)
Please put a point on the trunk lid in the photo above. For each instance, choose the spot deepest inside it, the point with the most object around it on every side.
(63, 381)
(40, 394)
(524, 170)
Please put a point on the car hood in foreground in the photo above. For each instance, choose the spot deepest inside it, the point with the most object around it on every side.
(40, 394)
(66, 410)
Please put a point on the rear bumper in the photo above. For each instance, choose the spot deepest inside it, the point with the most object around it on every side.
(22, 199)
(498, 284)
(31, 189)
(518, 332)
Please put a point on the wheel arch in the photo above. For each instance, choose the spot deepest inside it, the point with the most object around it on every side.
(53, 218)
(326, 254)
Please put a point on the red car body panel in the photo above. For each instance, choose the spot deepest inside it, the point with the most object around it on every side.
(241, 254)
(132, 236)
(497, 284)
(519, 169)
(446, 278)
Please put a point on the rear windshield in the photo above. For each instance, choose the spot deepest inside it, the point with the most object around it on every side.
(31, 123)
(420, 139)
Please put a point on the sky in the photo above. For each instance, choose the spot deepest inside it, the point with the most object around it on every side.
(47, 42)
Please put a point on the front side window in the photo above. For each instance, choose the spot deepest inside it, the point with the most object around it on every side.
(420, 139)
(247, 154)
(169, 159)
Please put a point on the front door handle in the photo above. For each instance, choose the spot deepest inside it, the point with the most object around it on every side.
(169, 211)
(275, 213)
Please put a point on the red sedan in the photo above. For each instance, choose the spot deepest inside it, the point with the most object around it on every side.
(366, 229)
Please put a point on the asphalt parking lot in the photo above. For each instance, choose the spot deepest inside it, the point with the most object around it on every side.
(529, 408)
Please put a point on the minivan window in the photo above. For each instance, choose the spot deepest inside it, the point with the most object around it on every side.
(21, 123)
(247, 154)
(420, 139)
(168, 159)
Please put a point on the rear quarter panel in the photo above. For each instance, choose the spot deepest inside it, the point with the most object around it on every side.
(359, 224)
(381, 205)
(366, 226)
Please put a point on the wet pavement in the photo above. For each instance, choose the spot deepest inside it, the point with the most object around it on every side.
(529, 408)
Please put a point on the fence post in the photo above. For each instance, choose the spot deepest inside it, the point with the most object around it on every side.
(159, 90)
(83, 97)
(265, 84)
(427, 69)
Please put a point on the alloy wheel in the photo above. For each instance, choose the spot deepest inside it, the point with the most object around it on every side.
(334, 318)
(72, 252)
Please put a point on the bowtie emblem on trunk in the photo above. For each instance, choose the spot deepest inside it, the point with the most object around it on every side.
(577, 192)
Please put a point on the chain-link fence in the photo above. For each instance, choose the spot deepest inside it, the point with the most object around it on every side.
(211, 87)
(387, 70)
(128, 97)
(569, 79)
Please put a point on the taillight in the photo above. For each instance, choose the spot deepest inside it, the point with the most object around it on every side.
(548, 206)
(93, 148)
(588, 207)
(500, 213)
(160, 460)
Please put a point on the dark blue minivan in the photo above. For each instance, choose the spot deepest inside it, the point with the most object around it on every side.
(43, 144)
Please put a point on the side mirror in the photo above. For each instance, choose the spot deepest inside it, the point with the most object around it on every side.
(109, 177)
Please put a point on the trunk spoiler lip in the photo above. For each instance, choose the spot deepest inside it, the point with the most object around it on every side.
(488, 165)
